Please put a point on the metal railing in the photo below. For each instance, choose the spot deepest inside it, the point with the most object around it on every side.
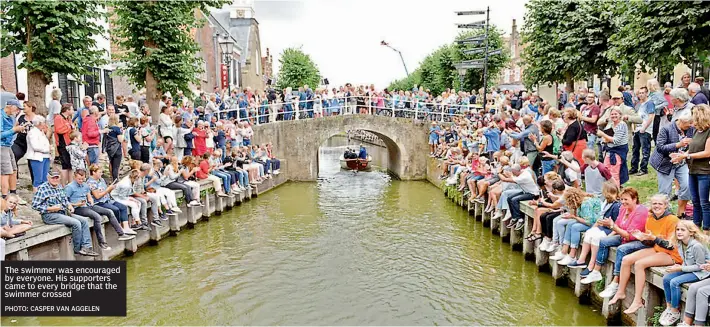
(309, 109)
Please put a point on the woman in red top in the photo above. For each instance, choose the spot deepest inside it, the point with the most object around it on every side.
(62, 129)
(204, 173)
(200, 139)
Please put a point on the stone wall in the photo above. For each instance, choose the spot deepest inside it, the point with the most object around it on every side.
(53, 242)
(298, 142)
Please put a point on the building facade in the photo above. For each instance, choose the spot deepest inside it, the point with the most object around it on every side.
(512, 76)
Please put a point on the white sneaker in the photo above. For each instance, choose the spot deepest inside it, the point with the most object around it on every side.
(194, 203)
(593, 277)
(663, 319)
(277, 171)
(609, 291)
(566, 260)
(682, 324)
(129, 231)
(497, 215)
(671, 318)
(552, 248)
(176, 209)
(558, 256)
(544, 244)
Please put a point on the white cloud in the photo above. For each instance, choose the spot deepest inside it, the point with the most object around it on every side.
(343, 37)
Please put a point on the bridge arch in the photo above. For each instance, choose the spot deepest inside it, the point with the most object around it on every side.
(298, 142)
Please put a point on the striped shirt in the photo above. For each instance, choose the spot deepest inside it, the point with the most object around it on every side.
(621, 135)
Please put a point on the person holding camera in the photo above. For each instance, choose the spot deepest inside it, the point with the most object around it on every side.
(8, 166)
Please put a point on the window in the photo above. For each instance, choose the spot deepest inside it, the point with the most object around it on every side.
(97, 80)
(92, 82)
(73, 93)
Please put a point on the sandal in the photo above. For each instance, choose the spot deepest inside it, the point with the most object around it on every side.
(536, 237)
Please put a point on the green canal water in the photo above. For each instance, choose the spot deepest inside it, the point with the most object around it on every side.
(351, 249)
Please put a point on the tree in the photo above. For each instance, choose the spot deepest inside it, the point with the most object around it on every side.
(158, 51)
(568, 39)
(297, 69)
(437, 71)
(54, 37)
(473, 79)
(661, 34)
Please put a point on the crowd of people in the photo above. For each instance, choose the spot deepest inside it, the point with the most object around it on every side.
(288, 104)
(186, 146)
(571, 164)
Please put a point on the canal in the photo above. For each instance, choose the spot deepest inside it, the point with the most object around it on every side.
(351, 249)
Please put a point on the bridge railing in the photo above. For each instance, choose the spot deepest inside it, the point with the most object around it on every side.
(315, 108)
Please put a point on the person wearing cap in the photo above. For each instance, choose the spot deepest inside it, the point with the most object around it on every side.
(53, 205)
(627, 114)
(8, 132)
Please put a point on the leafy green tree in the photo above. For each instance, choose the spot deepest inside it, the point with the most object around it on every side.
(158, 51)
(473, 80)
(567, 39)
(661, 34)
(297, 69)
(437, 71)
(54, 37)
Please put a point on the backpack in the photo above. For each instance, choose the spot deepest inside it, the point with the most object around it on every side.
(556, 145)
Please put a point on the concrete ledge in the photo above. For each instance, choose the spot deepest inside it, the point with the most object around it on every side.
(653, 294)
(53, 242)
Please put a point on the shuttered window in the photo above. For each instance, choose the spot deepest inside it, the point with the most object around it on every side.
(92, 82)
(62, 79)
(73, 93)
(108, 80)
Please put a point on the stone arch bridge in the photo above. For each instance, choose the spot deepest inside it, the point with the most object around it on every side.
(297, 141)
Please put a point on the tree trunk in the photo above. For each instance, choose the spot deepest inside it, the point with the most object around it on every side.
(37, 89)
(570, 83)
(152, 96)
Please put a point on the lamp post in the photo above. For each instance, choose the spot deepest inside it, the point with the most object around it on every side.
(400, 55)
(226, 44)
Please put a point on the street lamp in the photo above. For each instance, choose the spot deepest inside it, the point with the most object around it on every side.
(400, 55)
(226, 44)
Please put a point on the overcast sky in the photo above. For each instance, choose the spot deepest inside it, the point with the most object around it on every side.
(343, 36)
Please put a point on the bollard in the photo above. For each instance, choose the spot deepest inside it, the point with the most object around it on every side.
(173, 221)
(66, 248)
(155, 234)
(503, 230)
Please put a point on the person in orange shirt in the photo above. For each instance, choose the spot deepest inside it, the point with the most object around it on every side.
(660, 228)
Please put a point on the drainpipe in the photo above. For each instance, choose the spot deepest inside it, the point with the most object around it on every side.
(217, 63)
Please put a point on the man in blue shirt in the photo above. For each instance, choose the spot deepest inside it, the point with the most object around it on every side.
(8, 131)
(309, 101)
(79, 195)
(243, 104)
(434, 133)
(51, 202)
